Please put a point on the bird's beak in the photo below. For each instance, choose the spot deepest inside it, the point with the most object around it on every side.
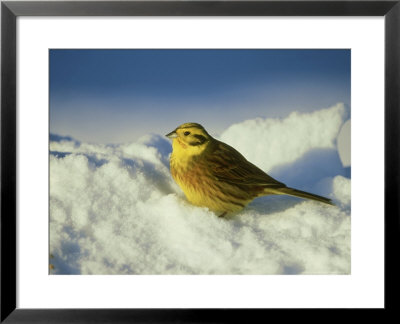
(171, 135)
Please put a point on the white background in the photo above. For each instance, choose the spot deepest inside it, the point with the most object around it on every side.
(363, 288)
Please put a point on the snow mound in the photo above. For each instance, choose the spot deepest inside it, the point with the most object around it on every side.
(271, 142)
(115, 209)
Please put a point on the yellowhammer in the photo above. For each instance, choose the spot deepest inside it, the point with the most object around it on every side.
(214, 175)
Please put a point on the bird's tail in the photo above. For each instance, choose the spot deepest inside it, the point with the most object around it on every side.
(303, 194)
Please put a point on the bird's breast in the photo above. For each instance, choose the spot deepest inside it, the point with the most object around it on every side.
(192, 178)
(185, 172)
(202, 189)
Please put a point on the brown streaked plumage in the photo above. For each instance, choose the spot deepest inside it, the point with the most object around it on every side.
(213, 174)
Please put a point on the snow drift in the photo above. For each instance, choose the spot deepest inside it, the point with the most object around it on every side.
(115, 209)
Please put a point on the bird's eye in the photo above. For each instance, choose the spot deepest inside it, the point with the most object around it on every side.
(186, 133)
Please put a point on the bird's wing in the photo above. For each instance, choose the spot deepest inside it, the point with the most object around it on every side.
(229, 165)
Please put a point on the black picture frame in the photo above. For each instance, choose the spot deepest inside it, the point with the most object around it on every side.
(10, 10)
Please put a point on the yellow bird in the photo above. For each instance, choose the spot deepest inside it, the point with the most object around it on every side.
(213, 174)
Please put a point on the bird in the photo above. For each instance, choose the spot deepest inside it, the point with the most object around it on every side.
(213, 174)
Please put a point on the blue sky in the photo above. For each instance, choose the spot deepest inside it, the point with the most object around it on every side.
(111, 96)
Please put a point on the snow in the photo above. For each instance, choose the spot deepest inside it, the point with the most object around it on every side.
(271, 142)
(115, 209)
(343, 143)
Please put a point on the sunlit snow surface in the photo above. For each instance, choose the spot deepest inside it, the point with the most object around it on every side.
(115, 209)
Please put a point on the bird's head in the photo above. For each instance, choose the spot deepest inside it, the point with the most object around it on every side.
(191, 137)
